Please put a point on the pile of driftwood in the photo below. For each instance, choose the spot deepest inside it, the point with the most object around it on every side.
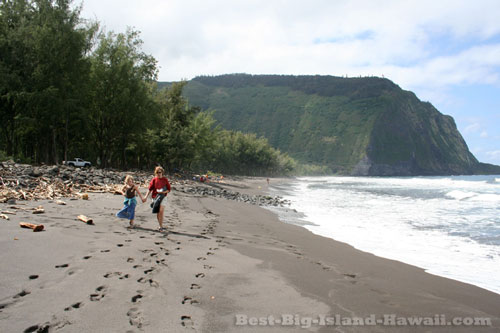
(26, 182)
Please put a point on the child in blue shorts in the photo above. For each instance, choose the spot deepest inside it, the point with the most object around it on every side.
(129, 190)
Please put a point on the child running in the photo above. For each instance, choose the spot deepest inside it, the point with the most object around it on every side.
(159, 187)
(129, 190)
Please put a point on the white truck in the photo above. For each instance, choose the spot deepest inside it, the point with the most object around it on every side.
(78, 162)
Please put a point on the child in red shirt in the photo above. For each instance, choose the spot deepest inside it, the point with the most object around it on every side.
(159, 186)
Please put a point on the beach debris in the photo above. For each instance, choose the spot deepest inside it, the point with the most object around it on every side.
(38, 210)
(27, 182)
(3, 216)
(60, 202)
(51, 182)
(34, 227)
(83, 196)
(8, 212)
(85, 219)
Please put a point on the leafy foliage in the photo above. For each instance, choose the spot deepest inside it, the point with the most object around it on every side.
(70, 89)
(121, 78)
(43, 46)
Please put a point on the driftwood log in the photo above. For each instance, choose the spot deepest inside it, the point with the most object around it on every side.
(35, 227)
(85, 219)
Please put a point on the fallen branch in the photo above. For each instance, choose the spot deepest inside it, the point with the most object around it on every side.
(85, 219)
(38, 210)
(35, 227)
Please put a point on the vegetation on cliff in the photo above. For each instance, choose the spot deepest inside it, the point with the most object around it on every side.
(358, 126)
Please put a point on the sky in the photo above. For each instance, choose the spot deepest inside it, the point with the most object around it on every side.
(446, 51)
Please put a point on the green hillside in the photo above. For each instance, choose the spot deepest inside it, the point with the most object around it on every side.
(357, 126)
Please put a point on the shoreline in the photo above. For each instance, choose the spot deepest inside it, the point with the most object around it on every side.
(298, 218)
(219, 258)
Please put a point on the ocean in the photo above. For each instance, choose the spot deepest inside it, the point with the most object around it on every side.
(449, 226)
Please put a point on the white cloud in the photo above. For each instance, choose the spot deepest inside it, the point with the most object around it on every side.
(191, 37)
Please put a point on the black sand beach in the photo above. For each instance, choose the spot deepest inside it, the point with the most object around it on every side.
(222, 266)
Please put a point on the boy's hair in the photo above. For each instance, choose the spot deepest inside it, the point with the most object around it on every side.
(128, 177)
(159, 169)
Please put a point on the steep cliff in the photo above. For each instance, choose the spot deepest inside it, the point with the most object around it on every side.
(355, 126)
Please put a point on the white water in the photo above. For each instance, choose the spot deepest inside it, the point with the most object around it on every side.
(450, 226)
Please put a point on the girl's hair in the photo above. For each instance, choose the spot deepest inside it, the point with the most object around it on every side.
(159, 169)
(127, 178)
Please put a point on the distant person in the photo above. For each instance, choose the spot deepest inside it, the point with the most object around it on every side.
(159, 187)
(129, 190)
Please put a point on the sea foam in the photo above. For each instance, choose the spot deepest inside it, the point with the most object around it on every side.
(450, 226)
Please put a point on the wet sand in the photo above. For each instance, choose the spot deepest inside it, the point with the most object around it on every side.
(222, 266)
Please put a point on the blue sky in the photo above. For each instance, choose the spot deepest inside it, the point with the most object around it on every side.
(447, 52)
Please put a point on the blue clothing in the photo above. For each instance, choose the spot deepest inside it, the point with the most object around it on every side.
(128, 210)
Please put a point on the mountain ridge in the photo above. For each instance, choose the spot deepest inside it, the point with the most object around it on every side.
(355, 126)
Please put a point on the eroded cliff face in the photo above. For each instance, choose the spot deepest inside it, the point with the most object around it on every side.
(412, 138)
(355, 126)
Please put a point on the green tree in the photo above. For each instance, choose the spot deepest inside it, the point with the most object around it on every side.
(43, 43)
(122, 77)
(15, 24)
(185, 134)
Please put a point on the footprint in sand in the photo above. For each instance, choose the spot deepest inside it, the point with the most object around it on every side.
(87, 257)
(130, 259)
(38, 328)
(135, 317)
(149, 271)
(161, 262)
(189, 300)
(111, 274)
(195, 286)
(33, 277)
(200, 275)
(74, 306)
(21, 294)
(208, 267)
(62, 266)
(136, 298)
(99, 294)
(152, 283)
(105, 251)
(186, 321)
(201, 258)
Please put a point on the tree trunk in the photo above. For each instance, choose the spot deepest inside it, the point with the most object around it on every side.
(54, 147)
(66, 138)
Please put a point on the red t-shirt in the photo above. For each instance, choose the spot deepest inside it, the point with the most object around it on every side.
(157, 184)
